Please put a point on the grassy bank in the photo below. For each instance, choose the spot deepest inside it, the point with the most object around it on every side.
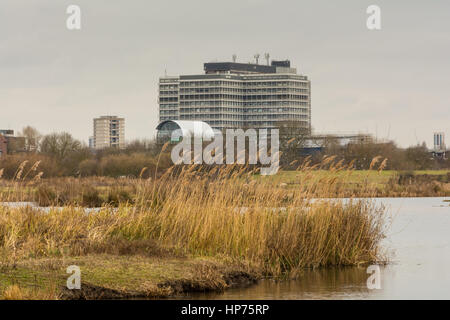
(186, 231)
(369, 183)
(114, 276)
(100, 191)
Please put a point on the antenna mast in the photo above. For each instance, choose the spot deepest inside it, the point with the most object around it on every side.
(267, 56)
(256, 56)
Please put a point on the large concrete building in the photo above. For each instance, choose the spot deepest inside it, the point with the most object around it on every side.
(109, 131)
(238, 95)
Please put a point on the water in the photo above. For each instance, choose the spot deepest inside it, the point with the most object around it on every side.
(35, 206)
(419, 268)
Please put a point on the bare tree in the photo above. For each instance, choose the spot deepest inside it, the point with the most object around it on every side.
(32, 138)
(59, 145)
(293, 138)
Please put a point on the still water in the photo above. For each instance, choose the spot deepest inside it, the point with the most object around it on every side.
(418, 241)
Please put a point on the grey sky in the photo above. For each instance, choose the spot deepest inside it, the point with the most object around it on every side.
(393, 82)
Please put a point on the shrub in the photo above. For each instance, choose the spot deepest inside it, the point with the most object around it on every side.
(117, 196)
(11, 163)
(90, 197)
(127, 165)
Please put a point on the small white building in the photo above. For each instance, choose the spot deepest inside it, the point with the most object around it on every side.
(174, 130)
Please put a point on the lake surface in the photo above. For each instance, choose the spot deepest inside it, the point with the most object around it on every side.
(419, 244)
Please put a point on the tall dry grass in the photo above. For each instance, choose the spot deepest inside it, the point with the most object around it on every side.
(219, 212)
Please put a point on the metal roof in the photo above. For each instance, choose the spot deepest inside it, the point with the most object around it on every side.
(234, 66)
(196, 129)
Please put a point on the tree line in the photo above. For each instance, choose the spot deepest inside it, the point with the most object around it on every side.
(60, 154)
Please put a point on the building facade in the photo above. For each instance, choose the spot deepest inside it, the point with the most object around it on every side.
(439, 150)
(10, 144)
(238, 95)
(109, 132)
(439, 141)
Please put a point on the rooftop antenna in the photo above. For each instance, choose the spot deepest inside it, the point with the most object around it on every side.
(257, 57)
(234, 57)
(267, 56)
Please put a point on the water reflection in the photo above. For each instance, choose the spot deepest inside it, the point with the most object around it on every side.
(313, 284)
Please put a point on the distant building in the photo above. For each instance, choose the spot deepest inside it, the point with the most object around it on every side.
(232, 95)
(342, 139)
(7, 132)
(439, 149)
(317, 143)
(109, 131)
(91, 143)
(10, 143)
(439, 141)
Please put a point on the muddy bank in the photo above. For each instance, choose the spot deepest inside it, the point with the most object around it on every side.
(166, 289)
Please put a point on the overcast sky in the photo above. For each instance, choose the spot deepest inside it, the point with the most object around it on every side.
(393, 83)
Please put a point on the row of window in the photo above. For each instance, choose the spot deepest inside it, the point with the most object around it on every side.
(291, 83)
(211, 116)
(235, 90)
(272, 123)
(240, 111)
(275, 117)
(168, 118)
(168, 93)
(206, 117)
(244, 98)
(168, 87)
(220, 124)
(169, 81)
(169, 99)
(166, 112)
(169, 106)
(238, 103)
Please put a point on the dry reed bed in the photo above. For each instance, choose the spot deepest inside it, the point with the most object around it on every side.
(188, 212)
(339, 182)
